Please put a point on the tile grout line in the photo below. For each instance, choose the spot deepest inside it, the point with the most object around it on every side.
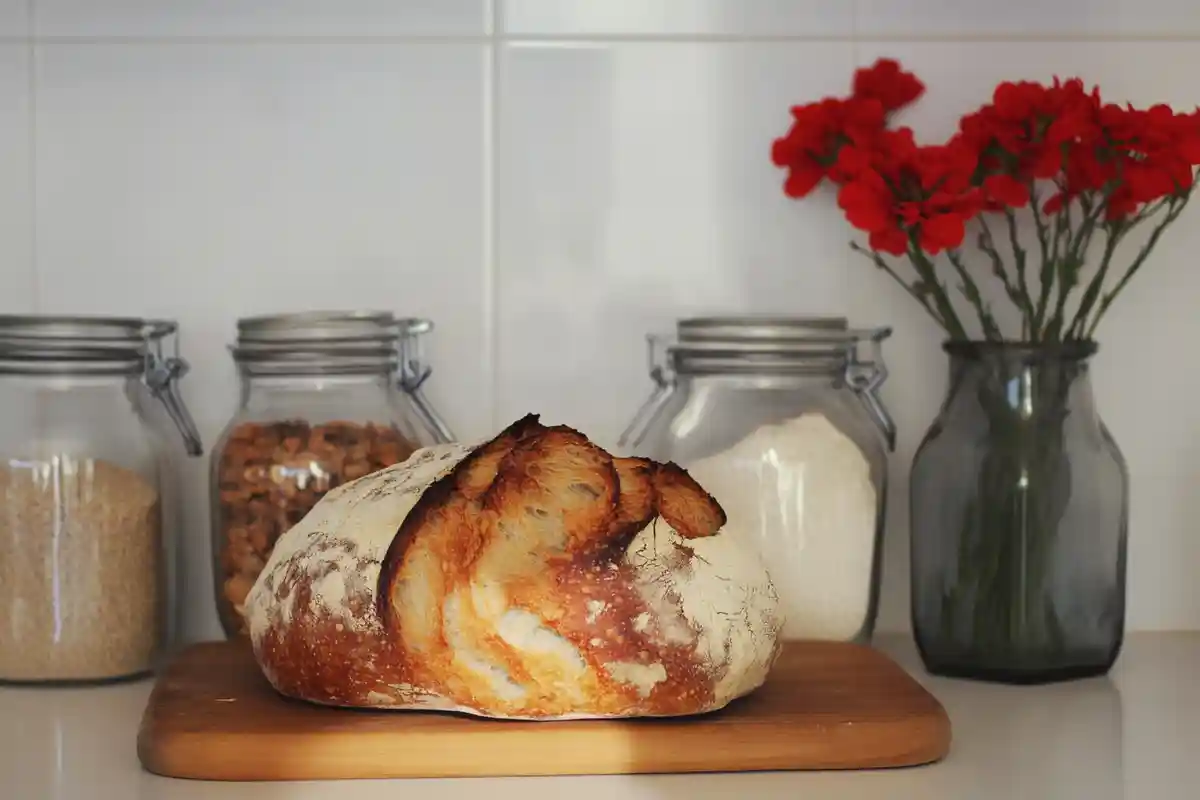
(491, 97)
(959, 37)
(952, 37)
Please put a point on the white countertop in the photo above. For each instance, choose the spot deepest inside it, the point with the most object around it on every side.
(1135, 734)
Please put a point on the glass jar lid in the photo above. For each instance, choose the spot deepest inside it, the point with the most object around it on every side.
(751, 327)
(83, 346)
(333, 343)
(767, 348)
(764, 344)
(76, 345)
(324, 342)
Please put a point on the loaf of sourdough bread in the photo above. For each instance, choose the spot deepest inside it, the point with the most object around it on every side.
(533, 576)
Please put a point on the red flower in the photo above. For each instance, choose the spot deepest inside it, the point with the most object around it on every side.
(867, 203)
(1029, 130)
(1055, 203)
(886, 82)
(889, 240)
(1187, 130)
(1005, 191)
(883, 152)
(942, 232)
(904, 195)
(942, 224)
(947, 168)
(1150, 155)
(1088, 170)
(926, 194)
(818, 131)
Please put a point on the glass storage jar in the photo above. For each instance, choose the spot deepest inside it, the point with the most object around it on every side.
(86, 566)
(778, 419)
(326, 397)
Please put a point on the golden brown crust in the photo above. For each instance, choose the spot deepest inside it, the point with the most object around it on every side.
(505, 590)
(324, 659)
(478, 476)
(557, 489)
(472, 476)
(635, 501)
(684, 504)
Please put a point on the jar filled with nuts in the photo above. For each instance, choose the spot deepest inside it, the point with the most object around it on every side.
(326, 397)
(87, 483)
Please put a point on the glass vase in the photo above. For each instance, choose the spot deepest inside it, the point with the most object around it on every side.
(1019, 517)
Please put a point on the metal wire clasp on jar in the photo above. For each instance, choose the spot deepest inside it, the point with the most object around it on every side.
(86, 548)
(326, 397)
(780, 419)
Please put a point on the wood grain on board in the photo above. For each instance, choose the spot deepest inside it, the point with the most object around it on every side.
(213, 716)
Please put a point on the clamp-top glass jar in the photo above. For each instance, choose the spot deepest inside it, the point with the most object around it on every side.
(86, 542)
(326, 397)
(779, 419)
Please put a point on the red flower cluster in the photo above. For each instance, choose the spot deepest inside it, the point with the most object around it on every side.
(886, 82)
(906, 196)
(818, 132)
(898, 192)
(1064, 134)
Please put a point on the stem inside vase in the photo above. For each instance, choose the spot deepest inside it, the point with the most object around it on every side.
(997, 514)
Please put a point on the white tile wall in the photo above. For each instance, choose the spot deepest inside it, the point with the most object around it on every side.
(237, 18)
(16, 180)
(14, 18)
(548, 194)
(635, 185)
(679, 17)
(1028, 18)
(16, 189)
(208, 181)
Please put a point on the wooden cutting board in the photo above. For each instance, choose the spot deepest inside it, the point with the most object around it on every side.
(826, 706)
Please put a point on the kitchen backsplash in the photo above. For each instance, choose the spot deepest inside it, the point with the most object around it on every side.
(548, 180)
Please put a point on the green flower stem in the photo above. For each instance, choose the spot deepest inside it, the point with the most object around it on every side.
(1080, 246)
(920, 294)
(970, 290)
(999, 606)
(928, 273)
(1090, 295)
(1091, 217)
(1046, 276)
(1143, 254)
(1064, 242)
(1019, 256)
(1065, 270)
(1012, 286)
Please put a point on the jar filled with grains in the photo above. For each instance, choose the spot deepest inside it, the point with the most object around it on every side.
(85, 546)
(326, 397)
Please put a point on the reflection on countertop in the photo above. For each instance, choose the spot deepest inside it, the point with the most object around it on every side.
(1134, 734)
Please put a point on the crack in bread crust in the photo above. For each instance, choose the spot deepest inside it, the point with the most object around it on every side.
(510, 588)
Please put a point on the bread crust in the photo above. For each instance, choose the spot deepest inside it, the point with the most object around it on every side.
(535, 576)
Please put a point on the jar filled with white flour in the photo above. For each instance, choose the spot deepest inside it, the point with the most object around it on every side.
(779, 418)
